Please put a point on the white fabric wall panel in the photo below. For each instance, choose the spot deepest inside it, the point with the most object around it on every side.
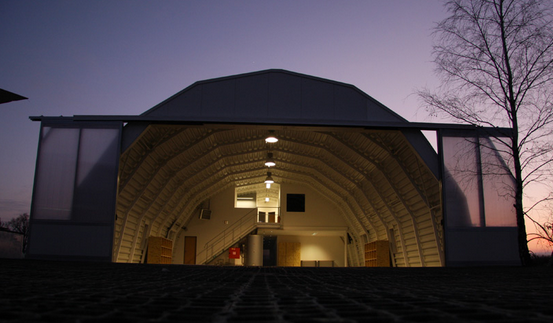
(96, 176)
(479, 199)
(55, 174)
(73, 209)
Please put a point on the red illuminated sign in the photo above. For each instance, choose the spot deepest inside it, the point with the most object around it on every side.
(234, 253)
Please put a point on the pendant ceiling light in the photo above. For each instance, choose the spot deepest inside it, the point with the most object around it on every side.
(270, 162)
(271, 139)
(269, 179)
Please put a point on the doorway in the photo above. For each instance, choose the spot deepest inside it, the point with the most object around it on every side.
(190, 250)
(269, 251)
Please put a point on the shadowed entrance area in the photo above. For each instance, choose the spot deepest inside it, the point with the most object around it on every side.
(41, 291)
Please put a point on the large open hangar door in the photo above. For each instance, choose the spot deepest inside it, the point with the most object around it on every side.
(356, 154)
(376, 179)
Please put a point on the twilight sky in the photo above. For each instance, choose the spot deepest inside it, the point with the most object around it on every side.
(74, 57)
(124, 57)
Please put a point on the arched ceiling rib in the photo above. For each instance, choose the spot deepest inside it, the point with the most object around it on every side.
(167, 172)
(215, 161)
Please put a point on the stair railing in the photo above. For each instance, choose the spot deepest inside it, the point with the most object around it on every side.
(228, 237)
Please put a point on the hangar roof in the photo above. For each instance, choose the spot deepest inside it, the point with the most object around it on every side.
(274, 96)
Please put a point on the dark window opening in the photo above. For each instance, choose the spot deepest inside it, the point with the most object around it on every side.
(295, 202)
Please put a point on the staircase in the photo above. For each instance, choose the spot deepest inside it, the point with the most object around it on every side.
(231, 235)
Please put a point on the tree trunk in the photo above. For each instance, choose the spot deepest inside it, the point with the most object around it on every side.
(523, 250)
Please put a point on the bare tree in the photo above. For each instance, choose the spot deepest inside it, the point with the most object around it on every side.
(495, 58)
(20, 224)
(544, 231)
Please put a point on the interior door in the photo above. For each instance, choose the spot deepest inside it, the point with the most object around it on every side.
(190, 250)
(269, 251)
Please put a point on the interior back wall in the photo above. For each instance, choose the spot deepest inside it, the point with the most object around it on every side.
(319, 248)
(319, 211)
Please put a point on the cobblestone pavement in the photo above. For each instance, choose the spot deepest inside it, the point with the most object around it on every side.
(41, 291)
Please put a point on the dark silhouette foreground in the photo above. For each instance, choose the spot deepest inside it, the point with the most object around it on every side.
(39, 291)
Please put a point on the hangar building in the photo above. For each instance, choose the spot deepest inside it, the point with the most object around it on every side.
(352, 182)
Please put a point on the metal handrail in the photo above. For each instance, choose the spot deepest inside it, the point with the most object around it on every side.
(229, 236)
(238, 230)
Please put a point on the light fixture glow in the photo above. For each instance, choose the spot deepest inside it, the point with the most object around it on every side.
(270, 162)
(271, 139)
(268, 185)
(269, 179)
(266, 199)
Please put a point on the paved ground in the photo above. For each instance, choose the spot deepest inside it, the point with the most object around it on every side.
(40, 291)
